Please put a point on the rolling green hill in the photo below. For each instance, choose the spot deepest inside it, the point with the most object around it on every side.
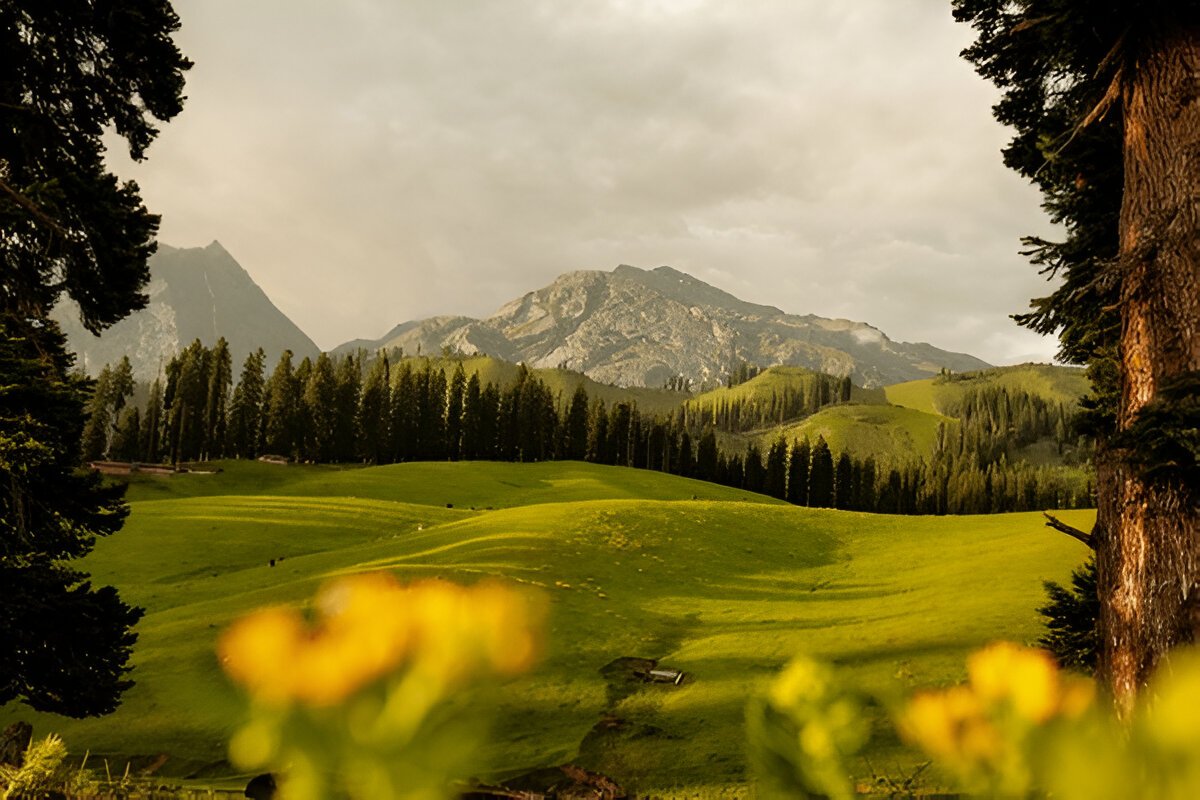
(726, 587)
(938, 395)
(887, 433)
(768, 389)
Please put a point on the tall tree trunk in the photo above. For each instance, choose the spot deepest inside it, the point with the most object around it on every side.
(1148, 531)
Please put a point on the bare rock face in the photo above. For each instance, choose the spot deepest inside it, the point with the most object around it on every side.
(195, 293)
(634, 327)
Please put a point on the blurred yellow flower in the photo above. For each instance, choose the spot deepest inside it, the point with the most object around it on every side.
(369, 626)
(1026, 677)
(951, 724)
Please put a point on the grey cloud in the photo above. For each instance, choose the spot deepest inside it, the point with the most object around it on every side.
(370, 162)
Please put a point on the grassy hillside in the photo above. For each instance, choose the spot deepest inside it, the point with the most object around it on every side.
(887, 433)
(726, 587)
(937, 395)
(768, 384)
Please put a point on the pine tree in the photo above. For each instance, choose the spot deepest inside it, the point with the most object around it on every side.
(246, 408)
(65, 643)
(151, 436)
(753, 475)
(126, 444)
(575, 435)
(820, 477)
(347, 392)
(374, 413)
(281, 398)
(843, 483)
(798, 464)
(775, 482)
(1102, 99)
(455, 399)
(72, 74)
(472, 445)
(99, 418)
(320, 407)
(707, 456)
(220, 377)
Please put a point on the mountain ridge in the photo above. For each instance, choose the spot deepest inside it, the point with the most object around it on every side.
(637, 327)
(194, 293)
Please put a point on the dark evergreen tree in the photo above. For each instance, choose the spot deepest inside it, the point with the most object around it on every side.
(152, 425)
(404, 421)
(753, 474)
(69, 74)
(216, 420)
(98, 426)
(65, 644)
(1102, 99)
(598, 434)
(472, 434)
(347, 392)
(843, 483)
(575, 433)
(1072, 618)
(281, 401)
(374, 413)
(319, 400)
(820, 476)
(184, 402)
(455, 399)
(246, 408)
(775, 481)
(126, 442)
(685, 464)
(798, 463)
(707, 457)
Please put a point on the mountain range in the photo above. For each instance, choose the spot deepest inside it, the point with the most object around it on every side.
(635, 327)
(627, 327)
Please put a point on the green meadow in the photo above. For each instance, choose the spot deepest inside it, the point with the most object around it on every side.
(723, 584)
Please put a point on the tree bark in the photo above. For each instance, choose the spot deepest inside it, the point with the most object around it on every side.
(1147, 535)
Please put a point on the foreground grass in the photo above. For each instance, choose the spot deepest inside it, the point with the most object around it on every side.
(727, 586)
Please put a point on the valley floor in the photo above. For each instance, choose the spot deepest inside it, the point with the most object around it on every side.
(717, 582)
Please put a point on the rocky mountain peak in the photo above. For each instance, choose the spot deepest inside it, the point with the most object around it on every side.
(637, 327)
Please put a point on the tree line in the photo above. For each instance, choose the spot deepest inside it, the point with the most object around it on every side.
(387, 409)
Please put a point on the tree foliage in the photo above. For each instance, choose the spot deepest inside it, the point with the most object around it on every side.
(69, 72)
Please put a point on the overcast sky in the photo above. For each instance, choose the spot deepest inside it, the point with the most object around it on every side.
(373, 161)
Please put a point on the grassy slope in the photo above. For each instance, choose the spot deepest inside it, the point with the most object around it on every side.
(772, 381)
(889, 433)
(726, 587)
(935, 396)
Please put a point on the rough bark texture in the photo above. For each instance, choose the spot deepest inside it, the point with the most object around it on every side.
(1148, 532)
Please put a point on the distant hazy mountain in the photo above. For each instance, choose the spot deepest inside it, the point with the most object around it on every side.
(634, 327)
(195, 293)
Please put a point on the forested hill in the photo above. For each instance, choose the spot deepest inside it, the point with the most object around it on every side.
(634, 327)
(363, 408)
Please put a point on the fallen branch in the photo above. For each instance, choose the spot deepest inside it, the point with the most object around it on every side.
(1062, 527)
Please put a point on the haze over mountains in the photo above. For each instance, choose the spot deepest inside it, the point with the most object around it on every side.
(195, 293)
(629, 327)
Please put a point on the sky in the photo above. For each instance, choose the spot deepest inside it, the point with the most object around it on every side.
(372, 161)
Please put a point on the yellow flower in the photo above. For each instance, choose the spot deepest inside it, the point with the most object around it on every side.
(257, 651)
(951, 724)
(1025, 677)
(804, 679)
(369, 626)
